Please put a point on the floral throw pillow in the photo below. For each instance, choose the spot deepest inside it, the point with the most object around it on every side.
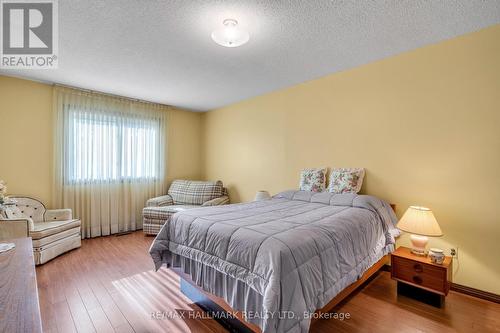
(313, 180)
(344, 180)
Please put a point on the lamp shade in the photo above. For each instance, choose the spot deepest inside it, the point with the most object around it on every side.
(420, 221)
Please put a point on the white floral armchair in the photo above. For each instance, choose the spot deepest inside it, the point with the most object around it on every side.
(53, 231)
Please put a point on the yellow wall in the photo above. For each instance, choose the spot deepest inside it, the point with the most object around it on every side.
(184, 145)
(425, 124)
(26, 139)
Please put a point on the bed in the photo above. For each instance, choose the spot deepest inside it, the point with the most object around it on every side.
(278, 261)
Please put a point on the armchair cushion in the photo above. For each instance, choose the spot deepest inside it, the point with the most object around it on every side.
(155, 217)
(58, 215)
(164, 200)
(217, 201)
(165, 211)
(44, 229)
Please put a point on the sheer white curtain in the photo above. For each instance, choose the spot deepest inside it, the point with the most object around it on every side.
(110, 156)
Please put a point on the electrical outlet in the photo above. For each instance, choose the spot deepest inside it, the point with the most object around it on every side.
(453, 252)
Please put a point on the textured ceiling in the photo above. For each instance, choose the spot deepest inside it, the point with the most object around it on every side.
(162, 51)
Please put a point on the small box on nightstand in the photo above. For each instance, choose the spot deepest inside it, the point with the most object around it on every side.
(419, 278)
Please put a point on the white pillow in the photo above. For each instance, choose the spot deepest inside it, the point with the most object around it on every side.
(313, 180)
(346, 180)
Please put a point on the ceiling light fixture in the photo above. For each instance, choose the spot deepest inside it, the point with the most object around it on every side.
(230, 35)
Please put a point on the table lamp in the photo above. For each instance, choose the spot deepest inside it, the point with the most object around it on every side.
(262, 195)
(420, 222)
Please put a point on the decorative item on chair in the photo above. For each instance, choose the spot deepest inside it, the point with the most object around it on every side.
(420, 222)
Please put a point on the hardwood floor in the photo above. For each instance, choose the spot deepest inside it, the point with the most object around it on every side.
(109, 285)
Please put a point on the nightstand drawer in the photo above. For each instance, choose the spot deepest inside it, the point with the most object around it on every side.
(427, 276)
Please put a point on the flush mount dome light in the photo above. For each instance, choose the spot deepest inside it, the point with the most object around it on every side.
(230, 35)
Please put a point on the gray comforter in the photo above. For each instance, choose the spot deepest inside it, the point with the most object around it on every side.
(296, 251)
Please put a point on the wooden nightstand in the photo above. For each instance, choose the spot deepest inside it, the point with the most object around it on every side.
(419, 278)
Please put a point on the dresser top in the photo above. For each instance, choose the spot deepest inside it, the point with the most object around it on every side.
(404, 252)
(19, 308)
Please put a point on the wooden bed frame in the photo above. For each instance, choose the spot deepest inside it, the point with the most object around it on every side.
(234, 321)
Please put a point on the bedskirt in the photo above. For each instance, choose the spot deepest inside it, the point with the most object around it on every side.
(247, 300)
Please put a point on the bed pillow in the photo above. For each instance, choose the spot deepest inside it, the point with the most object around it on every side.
(313, 180)
(346, 180)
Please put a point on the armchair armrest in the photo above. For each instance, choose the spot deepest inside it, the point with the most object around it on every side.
(58, 215)
(217, 201)
(164, 200)
(15, 228)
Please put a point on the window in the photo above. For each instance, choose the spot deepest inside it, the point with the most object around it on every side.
(111, 147)
(109, 158)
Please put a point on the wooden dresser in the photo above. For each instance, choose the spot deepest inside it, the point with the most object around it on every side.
(19, 308)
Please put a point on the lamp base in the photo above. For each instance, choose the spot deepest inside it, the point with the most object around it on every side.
(418, 244)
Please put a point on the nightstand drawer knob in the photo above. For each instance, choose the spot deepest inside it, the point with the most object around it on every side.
(418, 268)
(417, 279)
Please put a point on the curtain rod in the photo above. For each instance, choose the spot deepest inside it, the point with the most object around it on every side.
(109, 94)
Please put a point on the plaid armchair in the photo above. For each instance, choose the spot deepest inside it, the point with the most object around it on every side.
(182, 195)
